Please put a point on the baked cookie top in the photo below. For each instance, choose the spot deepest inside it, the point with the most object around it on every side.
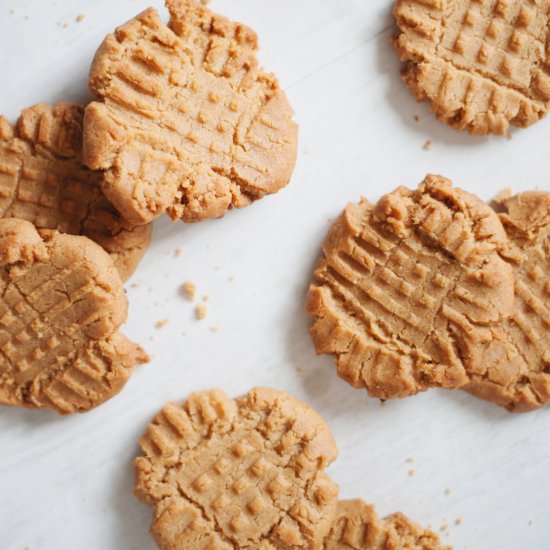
(358, 527)
(186, 122)
(513, 367)
(406, 289)
(238, 473)
(42, 180)
(482, 65)
(61, 306)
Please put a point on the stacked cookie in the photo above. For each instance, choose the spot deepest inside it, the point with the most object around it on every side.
(185, 122)
(435, 288)
(243, 473)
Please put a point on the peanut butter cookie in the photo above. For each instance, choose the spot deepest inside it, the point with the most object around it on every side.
(238, 473)
(61, 306)
(513, 366)
(42, 180)
(482, 65)
(358, 527)
(406, 289)
(186, 122)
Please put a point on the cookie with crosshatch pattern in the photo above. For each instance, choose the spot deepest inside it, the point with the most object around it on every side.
(241, 473)
(186, 122)
(407, 290)
(513, 365)
(482, 64)
(357, 526)
(61, 306)
(43, 180)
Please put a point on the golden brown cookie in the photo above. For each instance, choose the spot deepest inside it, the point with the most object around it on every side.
(406, 289)
(186, 121)
(481, 64)
(513, 367)
(242, 473)
(42, 180)
(61, 306)
(358, 527)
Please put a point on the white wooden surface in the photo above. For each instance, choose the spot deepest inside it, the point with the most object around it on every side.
(66, 483)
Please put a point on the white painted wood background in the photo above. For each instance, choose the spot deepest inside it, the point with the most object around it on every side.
(66, 483)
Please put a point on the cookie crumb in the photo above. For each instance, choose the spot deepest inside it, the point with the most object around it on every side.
(134, 285)
(201, 311)
(447, 491)
(161, 323)
(231, 278)
(214, 328)
(409, 460)
(458, 521)
(80, 18)
(412, 472)
(416, 118)
(178, 252)
(444, 527)
(428, 145)
(189, 290)
(299, 370)
(205, 298)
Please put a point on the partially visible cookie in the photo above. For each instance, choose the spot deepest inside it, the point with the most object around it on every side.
(406, 289)
(358, 527)
(242, 473)
(513, 367)
(61, 305)
(42, 180)
(186, 121)
(482, 65)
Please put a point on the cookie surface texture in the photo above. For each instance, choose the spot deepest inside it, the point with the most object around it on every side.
(61, 305)
(358, 527)
(42, 180)
(186, 121)
(482, 65)
(406, 288)
(514, 368)
(238, 473)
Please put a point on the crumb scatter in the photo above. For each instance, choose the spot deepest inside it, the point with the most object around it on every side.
(162, 323)
(189, 290)
(201, 311)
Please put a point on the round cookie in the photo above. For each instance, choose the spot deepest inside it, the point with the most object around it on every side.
(42, 180)
(186, 121)
(358, 527)
(482, 65)
(61, 306)
(513, 367)
(242, 473)
(406, 289)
